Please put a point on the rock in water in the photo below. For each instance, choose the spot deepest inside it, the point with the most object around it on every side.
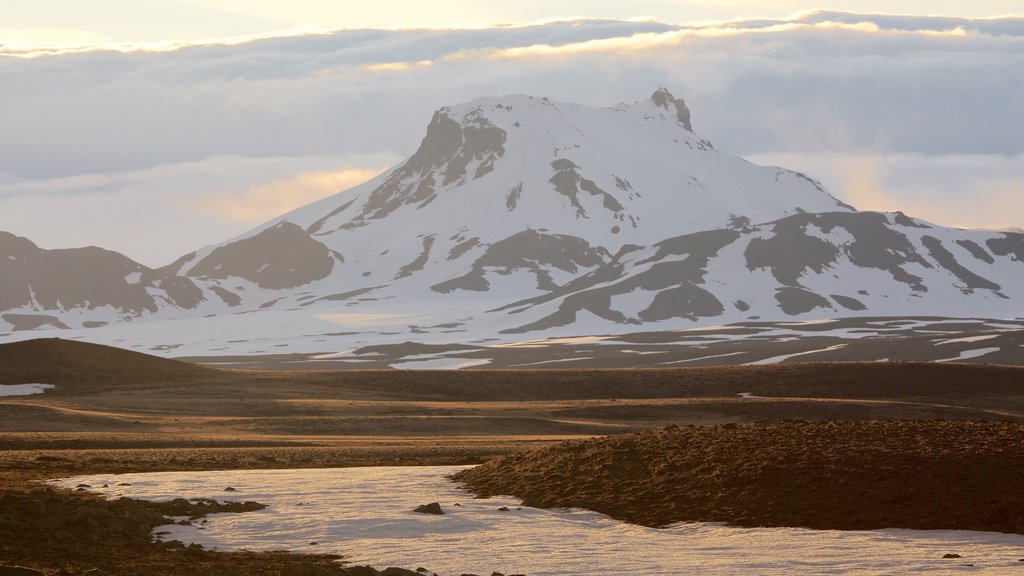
(432, 508)
(362, 571)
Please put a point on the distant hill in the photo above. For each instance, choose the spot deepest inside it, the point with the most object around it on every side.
(57, 361)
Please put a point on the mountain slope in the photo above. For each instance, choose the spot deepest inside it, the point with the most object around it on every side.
(83, 285)
(514, 196)
(523, 215)
(829, 264)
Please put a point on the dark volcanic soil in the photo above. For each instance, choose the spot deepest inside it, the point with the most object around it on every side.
(830, 475)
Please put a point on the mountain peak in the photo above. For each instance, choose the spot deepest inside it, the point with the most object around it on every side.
(662, 98)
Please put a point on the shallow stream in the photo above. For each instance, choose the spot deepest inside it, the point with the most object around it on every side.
(366, 514)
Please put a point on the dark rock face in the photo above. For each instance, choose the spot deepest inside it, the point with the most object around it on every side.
(284, 256)
(420, 261)
(877, 244)
(462, 247)
(568, 182)
(180, 292)
(676, 281)
(662, 98)
(443, 158)
(948, 261)
(795, 301)
(315, 228)
(229, 298)
(904, 220)
(792, 251)
(977, 251)
(849, 303)
(532, 251)
(512, 198)
(1011, 244)
(32, 321)
(71, 278)
(85, 278)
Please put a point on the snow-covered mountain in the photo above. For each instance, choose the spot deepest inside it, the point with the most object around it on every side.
(520, 215)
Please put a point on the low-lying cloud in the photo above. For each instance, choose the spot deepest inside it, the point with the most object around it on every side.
(260, 203)
(906, 97)
(157, 214)
(963, 190)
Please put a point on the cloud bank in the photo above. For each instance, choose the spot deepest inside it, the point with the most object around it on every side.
(834, 94)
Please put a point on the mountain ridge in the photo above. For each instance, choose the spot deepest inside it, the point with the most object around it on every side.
(518, 214)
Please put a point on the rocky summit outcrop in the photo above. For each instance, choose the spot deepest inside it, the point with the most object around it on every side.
(519, 215)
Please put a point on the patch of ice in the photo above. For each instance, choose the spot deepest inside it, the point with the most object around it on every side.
(777, 359)
(23, 389)
(747, 395)
(330, 355)
(442, 363)
(967, 339)
(702, 358)
(579, 340)
(366, 514)
(809, 322)
(968, 354)
(546, 362)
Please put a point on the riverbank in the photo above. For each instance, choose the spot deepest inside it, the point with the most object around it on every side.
(926, 475)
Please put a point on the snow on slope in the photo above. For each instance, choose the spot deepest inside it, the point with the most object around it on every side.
(519, 214)
(826, 265)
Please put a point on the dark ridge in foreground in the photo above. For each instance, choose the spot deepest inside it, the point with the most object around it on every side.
(57, 361)
(831, 475)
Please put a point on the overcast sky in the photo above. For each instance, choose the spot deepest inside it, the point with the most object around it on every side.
(156, 152)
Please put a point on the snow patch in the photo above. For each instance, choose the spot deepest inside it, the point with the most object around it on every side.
(777, 359)
(702, 358)
(967, 339)
(968, 354)
(24, 389)
(441, 364)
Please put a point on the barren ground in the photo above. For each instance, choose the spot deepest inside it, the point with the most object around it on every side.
(118, 411)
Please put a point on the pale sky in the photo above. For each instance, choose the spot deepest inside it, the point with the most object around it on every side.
(150, 21)
(155, 153)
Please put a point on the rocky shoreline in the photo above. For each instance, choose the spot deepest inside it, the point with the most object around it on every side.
(51, 531)
(929, 475)
(66, 533)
